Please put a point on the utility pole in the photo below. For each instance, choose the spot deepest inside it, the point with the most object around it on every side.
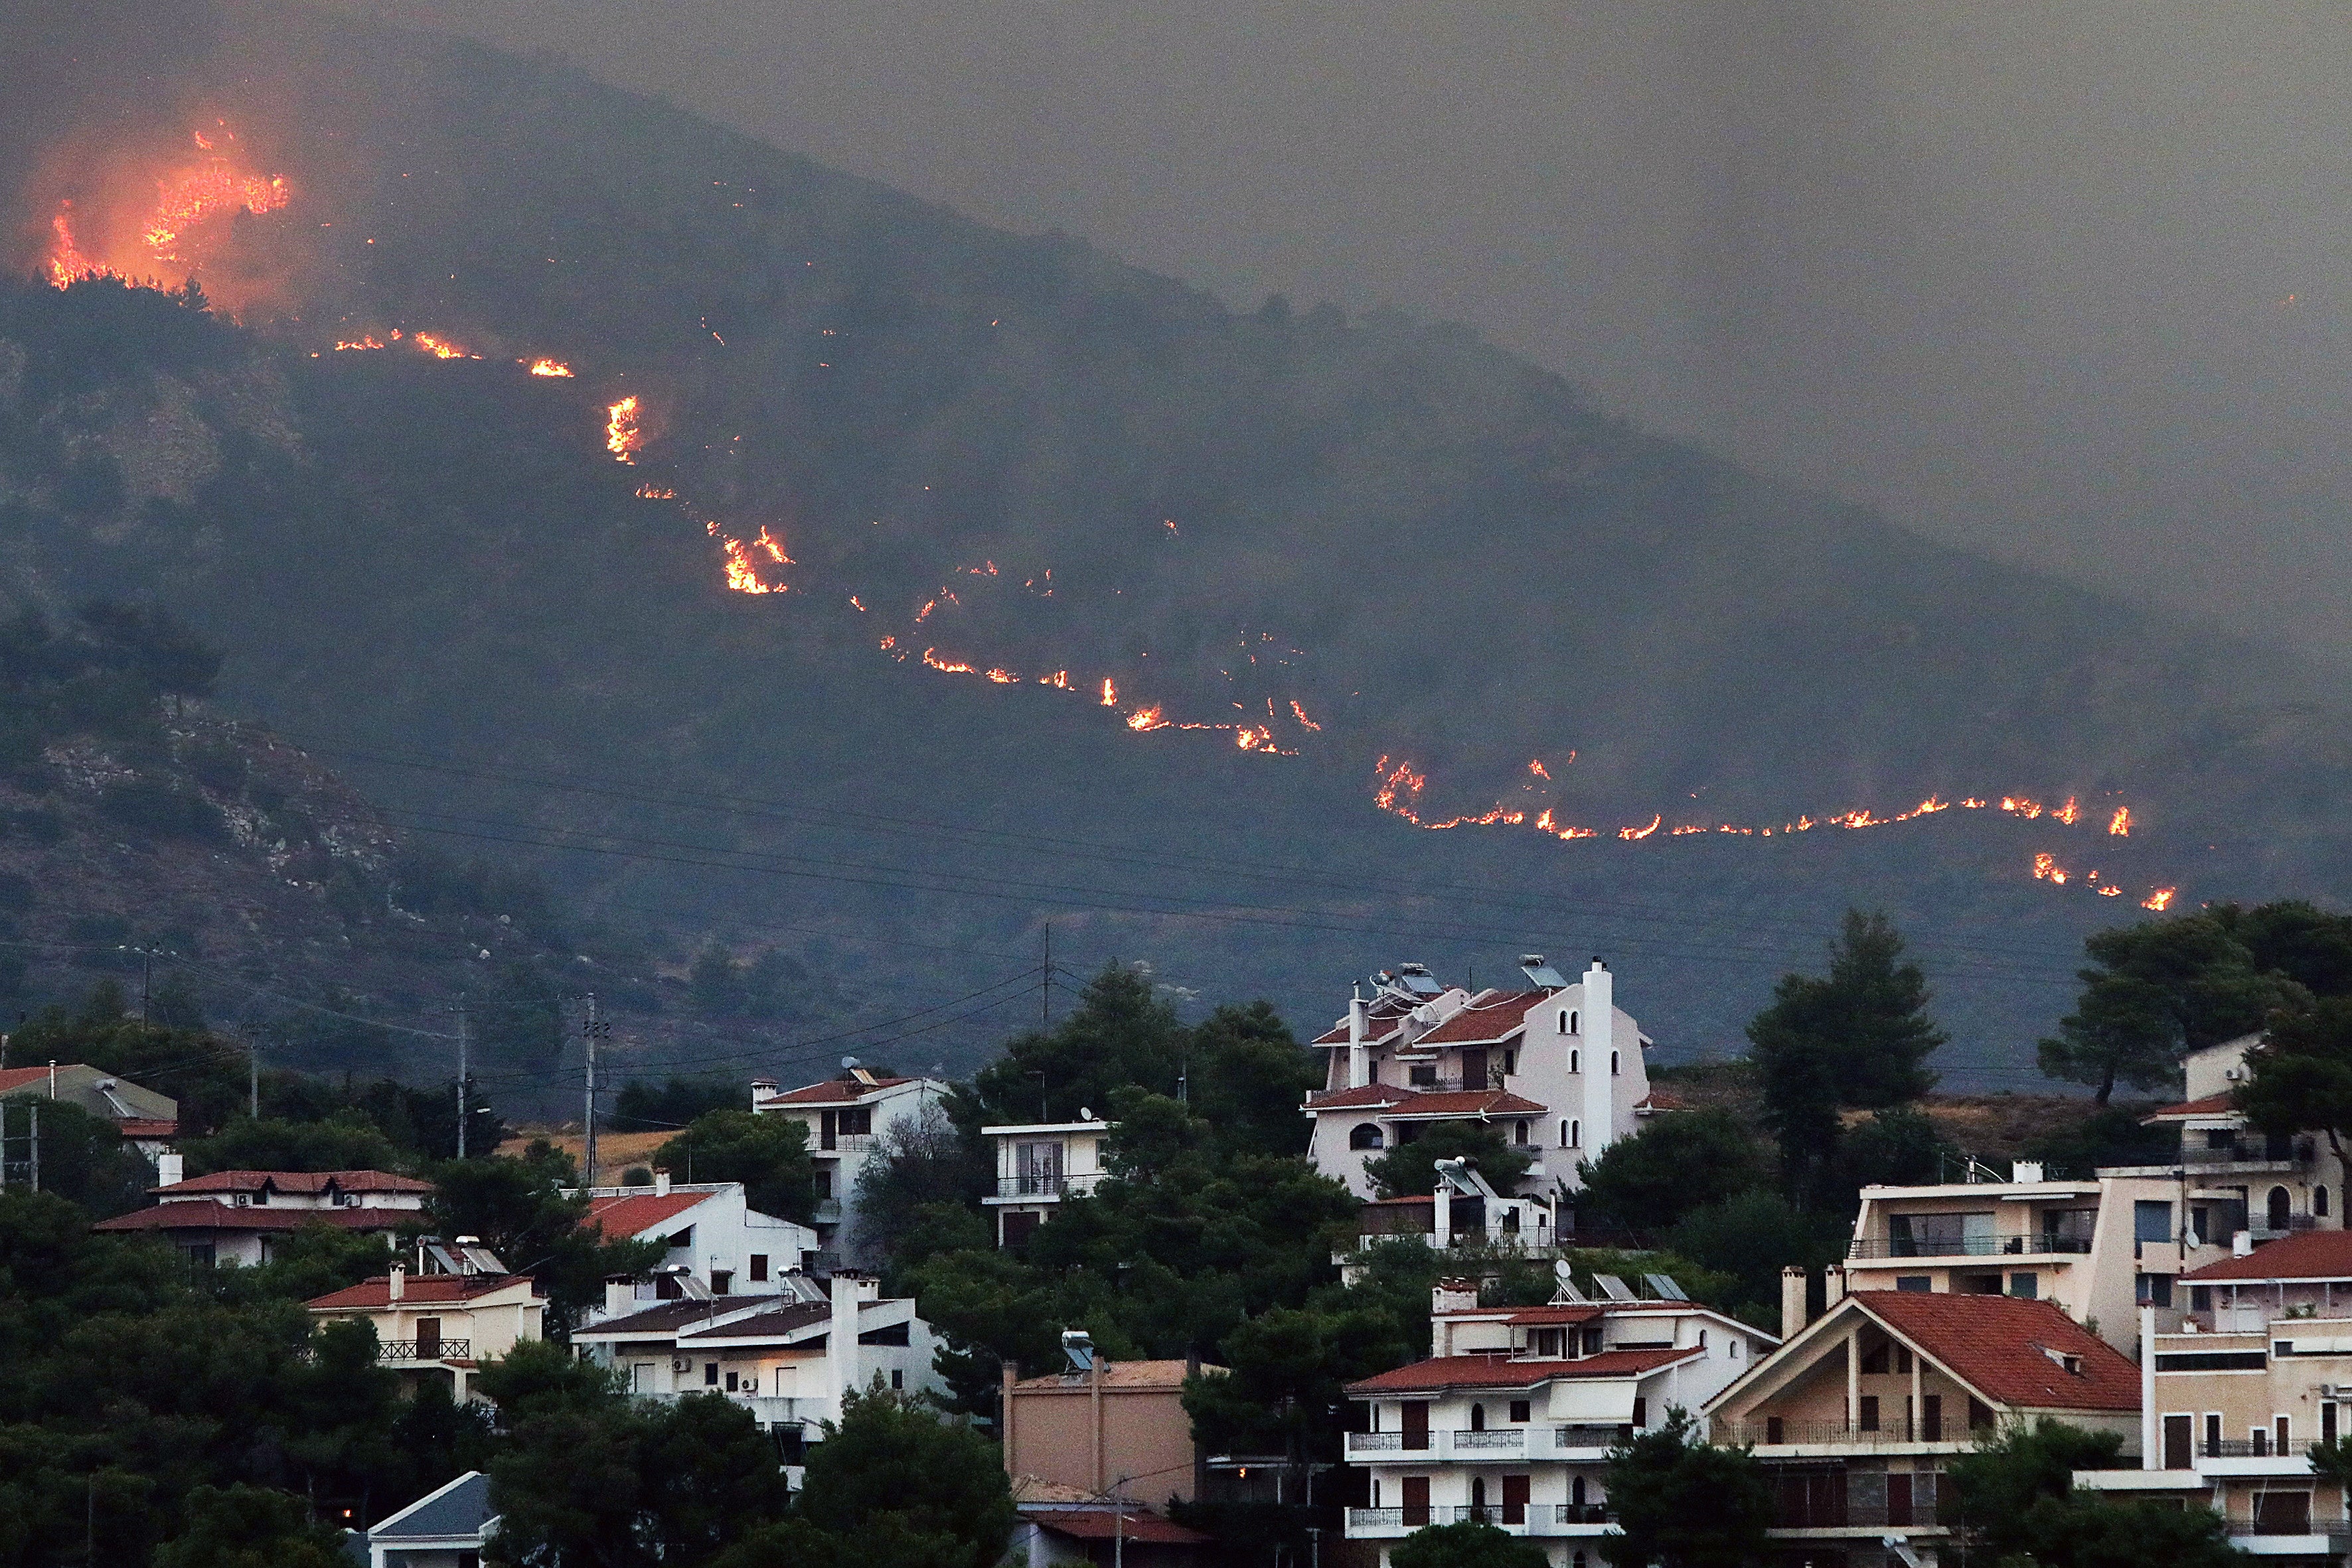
(253, 1080)
(590, 1031)
(1046, 992)
(37, 1145)
(146, 982)
(463, 1109)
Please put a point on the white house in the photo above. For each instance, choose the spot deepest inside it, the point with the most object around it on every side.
(787, 1358)
(237, 1218)
(716, 1243)
(1038, 1163)
(845, 1117)
(1555, 1068)
(440, 1325)
(1511, 1419)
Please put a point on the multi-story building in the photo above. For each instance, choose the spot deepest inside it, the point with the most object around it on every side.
(844, 1118)
(1511, 1419)
(2097, 1248)
(1856, 1415)
(2256, 1368)
(788, 1358)
(715, 1243)
(1104, 1426)
(1556, 1068)
(236, 1218)
(2268, 1185)
(440, 1325)
(1038, 1163)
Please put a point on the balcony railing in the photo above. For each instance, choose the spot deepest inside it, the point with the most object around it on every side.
(1529, 1238)
(395, 1351)
(1590, 1436)
(1368, 1519)
(1046, 1184)
(1511, 1437)
(848, 1144)
(2297, 1155)
(1376, 1443)
(2024, 1245)
(1819, 1434)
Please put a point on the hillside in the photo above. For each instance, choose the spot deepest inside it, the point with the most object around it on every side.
(1416, 563)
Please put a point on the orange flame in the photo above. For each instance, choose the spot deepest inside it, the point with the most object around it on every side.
(1110, 693)
(2158, 900)
(932, 657)
(2046, 869)
(441, 347)
(66, 260)
(1060, 678)
(187, 200)
(742, 577)
(622, 436)
(2070, 813)
(2119, 824)
(1002, 677)
(774, 548)
(657, 492)
(1301, 714)
(1146, 718)
(548, 367)
(369, 342)
(1634, 833)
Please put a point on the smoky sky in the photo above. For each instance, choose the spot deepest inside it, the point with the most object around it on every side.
(2066, 283)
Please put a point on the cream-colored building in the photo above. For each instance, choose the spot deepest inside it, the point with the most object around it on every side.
(2237, 1179)
(1856, 1415)
(440, 1325)
(846, 1119)
(1117, 1425)
(2257, 1369)
(1039, 1163)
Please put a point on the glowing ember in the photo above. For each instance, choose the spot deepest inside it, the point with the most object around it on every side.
(2160, 901)
(772, 548)
(1110, 693)
(440, 347)
(2070, 813)
(359, 344)
(548, 367)
(1146, 718)
(932, 657)
(742, 577)
(2119, 824)
(1535, 766)
(655, 492)
(622, 436)
(2046, 869)
(1060, 678)
(1002, 677)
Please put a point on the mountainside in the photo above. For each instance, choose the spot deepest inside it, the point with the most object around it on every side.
(1012, 516)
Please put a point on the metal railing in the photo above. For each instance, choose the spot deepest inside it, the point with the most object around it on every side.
(426, 1350)
(1591, 1437)
(1492, 1513)
(1390, 1517)
(1375, 1443)
(2240, 1155)
(1510, 1437)
(1046, 1184)
(846, 1143)
(1528, 1237)
(1582, 1513)
(2022, 1244)
(1763, 1434)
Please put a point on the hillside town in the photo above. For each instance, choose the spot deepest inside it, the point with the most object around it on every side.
(1497, 1350)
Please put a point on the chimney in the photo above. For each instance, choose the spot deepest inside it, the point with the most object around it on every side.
(661, 1183)
(1833, 1286)
(1599, 1005)
(1356, 1063)
(1793, 1302)
(395, 1284)
(841, 1351)
(2242, 1244)
(761, 1087)
(1449, 1296)
(620, 1295)
(167, 1169)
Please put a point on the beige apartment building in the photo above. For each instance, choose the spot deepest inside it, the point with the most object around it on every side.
(440, 1325)
(2258, 1369)
(1114, 1425)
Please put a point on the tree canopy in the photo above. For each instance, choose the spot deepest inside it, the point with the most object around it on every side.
(1684, 1503)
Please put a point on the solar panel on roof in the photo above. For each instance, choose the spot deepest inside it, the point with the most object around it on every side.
(1614, 1288)
(1663, 1288)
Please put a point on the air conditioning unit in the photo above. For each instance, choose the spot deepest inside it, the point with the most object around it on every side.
(681, 1363)
(2234, 1074)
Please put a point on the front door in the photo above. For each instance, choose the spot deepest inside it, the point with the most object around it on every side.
(1416, 1426)
(428, 1338)
(1514, 1500)
(2177, 1434)
(1416, 1500)
(1473, 1069)
(1898, 1497)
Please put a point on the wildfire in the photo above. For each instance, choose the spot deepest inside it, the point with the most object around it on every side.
(772, 548)
(932, 657)
(548, 367)
(2160, 901)
(1634, 833)
(1002, 677)
(742, 577)
(2119, 824)
(66, 260)
(2069, 813)
(622, 436)
(352, 345)
(2046, 869)
(1535, 766)
(1110, 693)
(1301, 714)
(440, 347)
(1060, 678)
(1147, 719)
(188, 202)
(655, 492)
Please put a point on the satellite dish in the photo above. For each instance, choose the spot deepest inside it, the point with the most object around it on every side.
(848, 1062)
(1086, 1113)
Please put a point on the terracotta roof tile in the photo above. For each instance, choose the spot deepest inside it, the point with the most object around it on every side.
(2211, 1105)
(416, 1290)
(2306, 1255)
(1493, 1017)
(1662, 1100)
(1097, 1524)
(211, 1214)
(1470, 1102)
(639, 1213)
(142, 1127)
(833, 1091)
(18, 1078)
(1997, 1343)
(300, 1181)
(1500, 1372)
(1542, 1316)
(1122, 1374)
(1364, 1097)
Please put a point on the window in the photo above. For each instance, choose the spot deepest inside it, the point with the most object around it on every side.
(759, 1267)
(1641, 1410)
(710, 1375)
(1869, 1421)
(2151, 1221)
(2261, 1440)
(1772, 1432)
(1931, 1418)
(1568, 1023)
(825, 1180)
(1477, 1418)
(1576, 1061)
(1563, 1135)
(1367, 1135)
(1519, 1134)
(2286, 1441)
(1576, 1134)
(2212, 1435)
(2025, 1287)
(1519, 1411)
(1511, 1066)
(1979, 1414)
(722, 1281)
(2156, 1290)
(1612, 1063)
(898, 1377)
(857, 1122)
(1423, 1075)
(1918, 1284)
(2279, 1208)
(2319, 1202)
(2327, 1422)
(731, 1384)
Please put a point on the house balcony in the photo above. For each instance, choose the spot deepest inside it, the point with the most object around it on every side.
(1378, 1523)
(1490, 1443)
(1534, 1240)
(1588, 1442)
(2330, 1539)
(845, 1144)
(1045, 1187)
(424, 1353)
(2025, 1244)
(1897, 1433)
(1383, 1445)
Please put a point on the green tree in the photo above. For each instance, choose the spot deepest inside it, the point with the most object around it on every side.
(84, 1158)
(348, 1142)
(2160, 987)
(1465, 1545)
(1995, 1486)
(1409, 1169)
(1121, 1032)
(1752, 1237)
(768, 1154)
(2296, 940)
(1287, 1369)
(2300, 1077)
(915, 1186)
(1673, 1164)
(1860, 1035)
(1246, 1075)
(1682, 1503)
(1899, 1146)
(894, 1470)
(241, 1526)
(522, 1211)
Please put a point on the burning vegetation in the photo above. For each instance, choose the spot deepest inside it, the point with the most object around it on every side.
(172, 234)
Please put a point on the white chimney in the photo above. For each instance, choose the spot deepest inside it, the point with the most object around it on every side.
(1357, 1061)
(842, 1359)
(620, 1295)
(2242, 1244)
(661, 1183)
(761, 1087)
(168, 1167)
(1833, 1285)
(395, 1284)
(1598, 1007)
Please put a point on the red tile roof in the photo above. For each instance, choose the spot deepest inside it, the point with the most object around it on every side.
(1662, 1100)
(416, 1290)
(1996, 1343)
(1499, 1371)
(18, 1078)
(2306, 1255)
(1364, 1097)
(639, 1213)
(2211, 1105)
(1493, 1017)
(140, 1127)
(1097, 1524)
(211, 1214)
(1470, 1102)
(835, 1091)
(1546, 1316)
(312, 1181)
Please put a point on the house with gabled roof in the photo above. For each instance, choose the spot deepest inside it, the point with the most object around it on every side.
(714, 1243)
(1554, 1066)
(448, 1527)
(440, 1326)
(1857, 1414)
(236, 1218)
(148, 1121)
(846, 1118)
